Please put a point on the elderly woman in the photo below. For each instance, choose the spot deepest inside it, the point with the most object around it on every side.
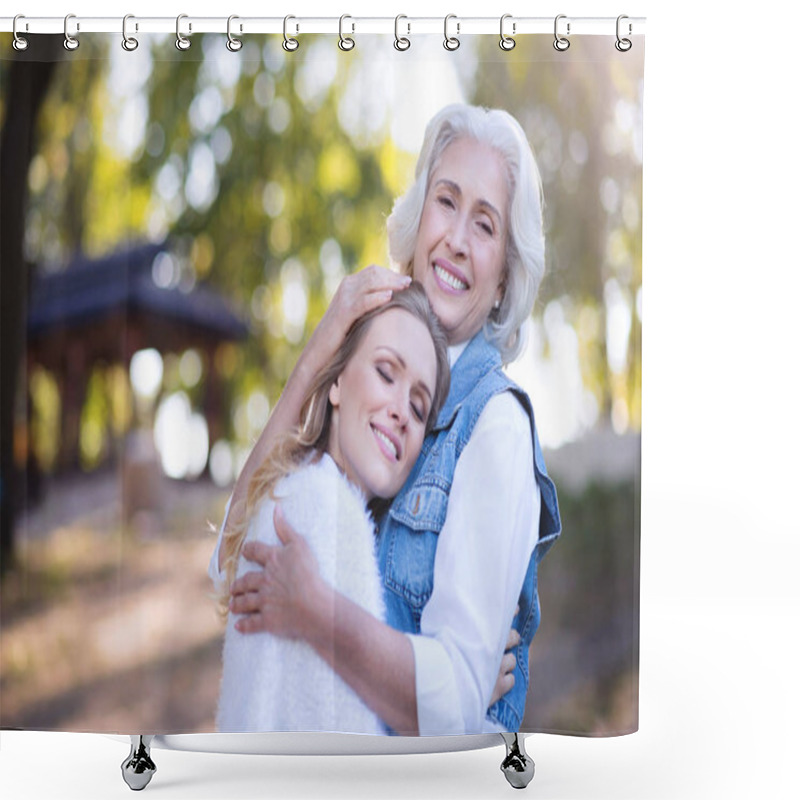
(460, 545)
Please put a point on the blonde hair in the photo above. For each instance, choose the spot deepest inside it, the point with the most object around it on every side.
(524, 257)
(293, 447)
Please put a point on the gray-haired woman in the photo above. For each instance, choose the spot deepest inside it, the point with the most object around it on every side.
(460, 545)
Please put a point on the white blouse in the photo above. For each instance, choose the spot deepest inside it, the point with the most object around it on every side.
(484, 548)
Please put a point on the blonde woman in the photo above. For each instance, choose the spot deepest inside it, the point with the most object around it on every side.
(363, 422)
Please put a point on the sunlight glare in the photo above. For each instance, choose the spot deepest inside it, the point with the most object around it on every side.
(147, 372)
(618, 325)
(316, 75)
(264, 89)
(294, 300)
(181, 437)
(554, 383)
(202, 182)
(165, 271)
(257, 411)
(190, 368)
(330, 256)
(220, 463)
(279, 115)
(413, 109)
(273, 199)
(221, 144)
(205, 110)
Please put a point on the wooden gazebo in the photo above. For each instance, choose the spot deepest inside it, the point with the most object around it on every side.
(102, 311)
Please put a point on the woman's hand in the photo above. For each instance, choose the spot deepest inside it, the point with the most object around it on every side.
(357, 294)
(505, 678)
(286, 597)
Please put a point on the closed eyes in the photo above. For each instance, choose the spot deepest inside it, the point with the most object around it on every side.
(417, 410)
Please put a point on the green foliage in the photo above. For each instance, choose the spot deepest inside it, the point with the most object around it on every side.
(94, 420)
(582, 113)
(265, 195)
(589, 575)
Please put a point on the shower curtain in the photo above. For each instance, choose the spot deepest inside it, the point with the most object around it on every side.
(175, 223)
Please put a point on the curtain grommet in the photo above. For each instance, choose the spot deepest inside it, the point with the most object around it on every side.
(507, 42)
(181, 42)
(290, 44)
(129, 43)
(70, 42)
(20, 43)
(233, 44)
(346, 43)
(561, 43)
(451, 43)
(401, 43)
(623, 45)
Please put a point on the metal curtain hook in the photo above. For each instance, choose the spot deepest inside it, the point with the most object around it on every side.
(233, 44)
(506, 42)
(623, 45)
(70, 42)
(181, 42)
(20, 43)
(346, 42)
(289, 44)
(451, 42)
(561, 43)
(401, 43)
(129, 43)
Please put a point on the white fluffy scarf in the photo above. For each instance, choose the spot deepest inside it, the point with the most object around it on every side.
(272, 684)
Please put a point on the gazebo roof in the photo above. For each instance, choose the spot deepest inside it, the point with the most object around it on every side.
(90, 291)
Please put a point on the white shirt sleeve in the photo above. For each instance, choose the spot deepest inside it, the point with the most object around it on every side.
(482, 557)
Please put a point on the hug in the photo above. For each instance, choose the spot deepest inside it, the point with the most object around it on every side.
(442, 493)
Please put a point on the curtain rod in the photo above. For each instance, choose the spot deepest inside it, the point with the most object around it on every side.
(406, 25)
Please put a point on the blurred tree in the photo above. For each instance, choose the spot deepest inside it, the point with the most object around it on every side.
(238, 158)
(581, 110)
(24, 82)
(268, 178)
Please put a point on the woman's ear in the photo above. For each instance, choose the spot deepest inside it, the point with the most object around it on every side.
(500, 294)
(333, 394)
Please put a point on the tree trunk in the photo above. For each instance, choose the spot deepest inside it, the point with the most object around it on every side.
(30, 74)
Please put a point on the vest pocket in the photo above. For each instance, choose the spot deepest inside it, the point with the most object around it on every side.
(424, 506)
(415, 525)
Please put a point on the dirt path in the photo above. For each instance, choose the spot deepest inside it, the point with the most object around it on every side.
(112, 629)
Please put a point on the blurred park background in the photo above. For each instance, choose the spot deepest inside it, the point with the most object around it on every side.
(173, 227)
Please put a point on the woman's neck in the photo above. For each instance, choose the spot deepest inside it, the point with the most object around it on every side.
(454, 351)
(337, 461)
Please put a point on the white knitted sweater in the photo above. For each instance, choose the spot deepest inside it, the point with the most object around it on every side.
(274, 684)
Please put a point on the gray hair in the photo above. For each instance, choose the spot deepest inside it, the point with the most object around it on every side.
(524, 257)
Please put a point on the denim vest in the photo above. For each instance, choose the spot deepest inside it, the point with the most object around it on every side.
(408, 533)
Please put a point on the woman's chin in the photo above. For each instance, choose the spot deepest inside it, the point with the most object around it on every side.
(446, 310)
(386, 490)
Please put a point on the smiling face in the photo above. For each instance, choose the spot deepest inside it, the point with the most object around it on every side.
(460, 252)
(381, 402)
